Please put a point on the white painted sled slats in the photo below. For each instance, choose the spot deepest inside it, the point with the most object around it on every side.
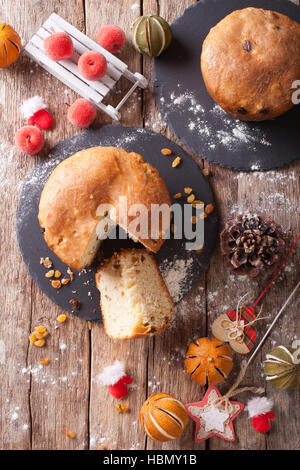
(70, 65)
(67, 70)
(63, 75)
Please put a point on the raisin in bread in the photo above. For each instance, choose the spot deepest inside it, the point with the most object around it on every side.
(134, 298)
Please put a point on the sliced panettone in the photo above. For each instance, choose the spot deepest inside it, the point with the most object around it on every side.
(134, 298)
(94, 189)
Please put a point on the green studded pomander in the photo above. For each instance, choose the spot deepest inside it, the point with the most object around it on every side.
(282, 367)
(151, 35)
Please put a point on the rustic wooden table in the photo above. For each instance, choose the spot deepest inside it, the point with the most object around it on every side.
(39, 404)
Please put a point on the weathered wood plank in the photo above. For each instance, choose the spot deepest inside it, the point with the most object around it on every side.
(166, 371)
(60, 391)
(15, 289)
(54, 397)
(275, 193)
(107, 426)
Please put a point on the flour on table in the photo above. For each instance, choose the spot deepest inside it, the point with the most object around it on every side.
(176, 273)
(232, 134)
(273, 202)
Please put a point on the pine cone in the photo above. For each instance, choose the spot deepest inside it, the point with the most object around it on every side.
(252, 245)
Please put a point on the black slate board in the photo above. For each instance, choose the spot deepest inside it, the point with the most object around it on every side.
(206, 129)
(148, 144)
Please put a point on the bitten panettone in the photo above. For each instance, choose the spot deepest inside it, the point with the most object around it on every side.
(134, 298)
(79, 185)
(208, 361)
(163, 417)
(249, 62)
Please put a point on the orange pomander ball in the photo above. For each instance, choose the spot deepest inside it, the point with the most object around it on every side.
(10, 45)
(208, 361)
(163, 417)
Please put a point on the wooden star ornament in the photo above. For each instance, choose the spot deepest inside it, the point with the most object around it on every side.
(213, 420)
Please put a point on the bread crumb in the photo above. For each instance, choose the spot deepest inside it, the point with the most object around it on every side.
(32, 338)
(56, 284)
(176, 162)
(166, 151)
(46, 262)
(61, 318)
(121, 408)
(38, 335)
(198, 204)
(70, 434)
(188, 190)
(75, 304)
(50, 273)
(44, 361)
(71, 274)
(65, 281)
(41, 331)
(177, 195)
(191, 198)
(209, 209)
(57, 274)
(206, 171)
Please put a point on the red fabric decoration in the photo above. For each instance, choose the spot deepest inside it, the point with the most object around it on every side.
(42, 119)
(261, 423)
(250, 332)
(119, 389)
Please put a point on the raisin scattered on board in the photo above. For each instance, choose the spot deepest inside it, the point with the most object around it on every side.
(75, 304)
(247, 46)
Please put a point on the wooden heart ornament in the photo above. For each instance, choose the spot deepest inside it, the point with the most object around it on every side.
(238, 330)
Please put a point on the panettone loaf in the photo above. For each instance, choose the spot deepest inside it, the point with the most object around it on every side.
(134, 298)
(249, 62)
(82, 183)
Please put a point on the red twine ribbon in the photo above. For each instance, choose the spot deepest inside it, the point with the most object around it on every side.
(277, 272)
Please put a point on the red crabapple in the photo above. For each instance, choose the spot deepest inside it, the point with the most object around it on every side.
(29, 139)
(92, 65)
(81, 113)
(111, 37)
(59, 46)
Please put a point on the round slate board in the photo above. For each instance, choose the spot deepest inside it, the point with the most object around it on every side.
(206, 129)
(172, 254)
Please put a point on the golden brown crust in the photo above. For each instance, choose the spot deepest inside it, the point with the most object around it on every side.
(79, 184)
(249, 61)
(116, 256)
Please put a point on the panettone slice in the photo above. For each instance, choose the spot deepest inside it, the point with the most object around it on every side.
(134, 298)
